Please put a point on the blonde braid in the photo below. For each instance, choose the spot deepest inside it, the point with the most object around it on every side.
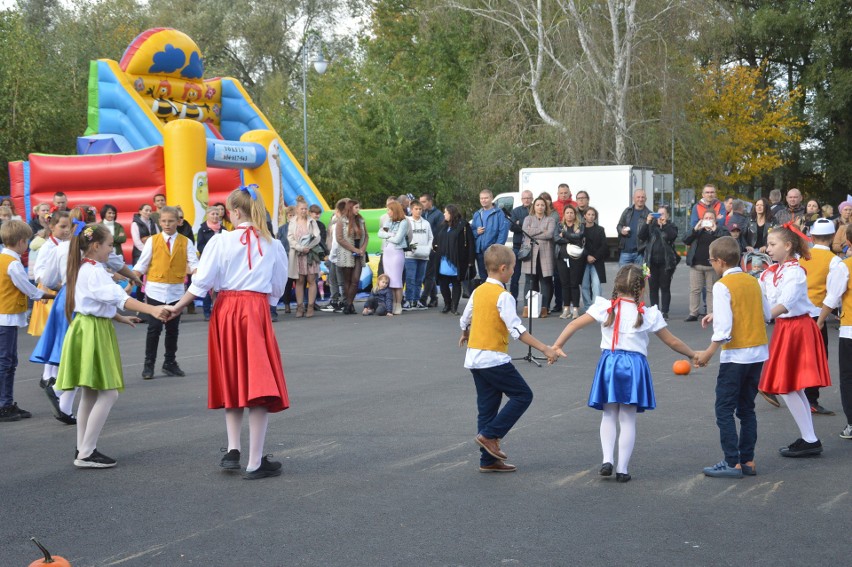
(638, 287)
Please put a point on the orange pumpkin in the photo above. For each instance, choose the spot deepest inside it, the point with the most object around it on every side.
(54, 561)
(681, 367)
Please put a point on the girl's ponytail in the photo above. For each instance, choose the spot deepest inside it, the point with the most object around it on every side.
(75, 256)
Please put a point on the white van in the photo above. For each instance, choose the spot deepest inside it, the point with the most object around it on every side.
(610, 189)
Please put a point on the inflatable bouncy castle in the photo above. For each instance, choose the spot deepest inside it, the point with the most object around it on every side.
(157, 125)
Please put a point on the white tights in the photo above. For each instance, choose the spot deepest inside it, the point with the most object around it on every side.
(624, 416)
(800, 408)
(258, 420)
(92, 413)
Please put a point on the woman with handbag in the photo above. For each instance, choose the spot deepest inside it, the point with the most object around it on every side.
(660, 257)
(302, 235)
(538, 267)
(352, 239)
(395, 232)
(570, 237)
(455, 248)
(595, 253)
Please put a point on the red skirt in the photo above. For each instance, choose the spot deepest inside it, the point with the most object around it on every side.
(797, 358)
(244, 363)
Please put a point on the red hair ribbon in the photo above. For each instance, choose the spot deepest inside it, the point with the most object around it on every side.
(246, 240)
(614, 306)
(792, 226)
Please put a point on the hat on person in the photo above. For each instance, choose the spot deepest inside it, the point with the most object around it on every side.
(823, 227)
(734, 227)
(843, 205)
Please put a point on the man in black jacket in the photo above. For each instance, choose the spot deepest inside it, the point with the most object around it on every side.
(628, 230)
(429, 297)
(517, 222)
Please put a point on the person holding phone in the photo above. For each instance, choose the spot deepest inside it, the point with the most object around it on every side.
(701, 273)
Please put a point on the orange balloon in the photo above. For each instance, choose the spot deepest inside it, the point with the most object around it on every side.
(681, 367)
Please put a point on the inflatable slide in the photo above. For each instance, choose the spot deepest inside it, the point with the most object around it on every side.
(156, 125)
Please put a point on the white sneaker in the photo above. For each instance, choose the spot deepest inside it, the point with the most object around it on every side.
(847, 433)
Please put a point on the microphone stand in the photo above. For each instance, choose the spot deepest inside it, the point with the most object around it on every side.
(530, 357)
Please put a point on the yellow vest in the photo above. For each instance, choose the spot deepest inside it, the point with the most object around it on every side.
(12, 300)
(749, 328)
(487, 329)
(817, 272)
(846, 306)
(168, 268)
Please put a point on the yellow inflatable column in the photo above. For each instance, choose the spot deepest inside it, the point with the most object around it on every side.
(185, 153)
(268, 175)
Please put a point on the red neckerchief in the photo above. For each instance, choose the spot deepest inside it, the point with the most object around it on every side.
(776, 270)
(614, 305)
(53, 239)
(89, 261)
(245, 239)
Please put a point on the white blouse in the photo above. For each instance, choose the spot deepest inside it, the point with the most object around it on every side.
(44, 255)
(56, 265)
(787, 284)
(241, 261)
(629, 338)
(96, 294)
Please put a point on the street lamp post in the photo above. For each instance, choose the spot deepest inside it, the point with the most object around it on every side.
(312, 43)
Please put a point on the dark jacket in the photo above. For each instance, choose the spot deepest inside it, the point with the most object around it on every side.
(566, 235)
(516, 224)
(434, 217)
(659, 244)
(625, 220)
(596, 246)
(751, 233)
(145, 229)
(693, 241)
(185, 229)
(457, 245)
(205, 233)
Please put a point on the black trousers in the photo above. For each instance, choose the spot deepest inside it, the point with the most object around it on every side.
(844, 354)
(660, 286)
(570, 278)
(444, 282)
(430, 280)
(813, 392)
(155, 329)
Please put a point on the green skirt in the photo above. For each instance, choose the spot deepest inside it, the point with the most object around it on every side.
(90, 356)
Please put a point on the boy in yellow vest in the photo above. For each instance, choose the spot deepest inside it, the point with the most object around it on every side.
(15, 288)
(167, 258)
(489, 318)
(739, 317)
(817, 267)
(839, 294)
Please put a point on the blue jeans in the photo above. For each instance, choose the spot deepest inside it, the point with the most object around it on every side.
(415, 271)
(590, 287)
(491, 384)
(8, 364)
(736, 388)
(481, 272)
(630, 258)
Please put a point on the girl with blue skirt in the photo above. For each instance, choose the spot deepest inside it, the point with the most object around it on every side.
(622, 386)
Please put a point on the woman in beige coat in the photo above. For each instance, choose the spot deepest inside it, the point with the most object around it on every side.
(538, 267)
(303, 234)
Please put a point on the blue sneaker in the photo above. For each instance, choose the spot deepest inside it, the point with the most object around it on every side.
(722, 470)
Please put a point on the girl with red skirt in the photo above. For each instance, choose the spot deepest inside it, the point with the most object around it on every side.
(248, 269)
(797, 357)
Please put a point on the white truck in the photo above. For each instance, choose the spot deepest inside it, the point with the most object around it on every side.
(610, 189)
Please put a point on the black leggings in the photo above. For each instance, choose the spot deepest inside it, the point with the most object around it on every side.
(571, 276)
(660, 284)
(444, 283)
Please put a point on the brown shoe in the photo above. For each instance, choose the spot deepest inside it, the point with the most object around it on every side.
(499, 466)
(544, 313)
(526, 312)
(491, 446)
(300, 311)
(310, 312)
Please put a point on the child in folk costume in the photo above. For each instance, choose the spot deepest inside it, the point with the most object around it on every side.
(60, 231)
(796, 352)
(622, 386)
(90, 356)
(247, 268)
(48, 350)
(839, 294)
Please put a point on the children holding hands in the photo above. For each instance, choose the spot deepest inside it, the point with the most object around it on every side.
(489, 318)
(622, 385)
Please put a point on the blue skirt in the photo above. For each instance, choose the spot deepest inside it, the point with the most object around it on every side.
(49, 347)
(622, 377)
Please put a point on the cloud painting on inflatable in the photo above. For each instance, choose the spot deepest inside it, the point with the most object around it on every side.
(168, 61)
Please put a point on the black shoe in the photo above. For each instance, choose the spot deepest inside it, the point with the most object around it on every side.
(9, 413)
(665, 315)
(556, 309)
(801, 448)
(42, 383)
(817, 409)
(433, 303)
(94, 461)
(330, 307)
(606, 469)
(172, 369)
(148, 371)
(66, 419)
(274, 315)
(267, 468)
(455, 310)
(622, 477)
(690, 319)
(447, 308)
(21, 412)
(54, 402)
(231, 460)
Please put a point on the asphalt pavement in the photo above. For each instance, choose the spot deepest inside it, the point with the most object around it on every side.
(380, 467)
